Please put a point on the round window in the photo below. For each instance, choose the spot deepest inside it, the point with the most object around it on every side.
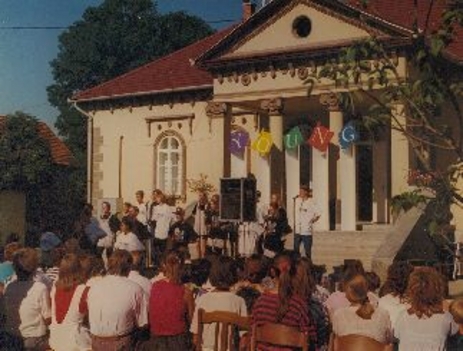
(302, 26)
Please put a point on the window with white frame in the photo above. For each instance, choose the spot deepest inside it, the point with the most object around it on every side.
(170, 165)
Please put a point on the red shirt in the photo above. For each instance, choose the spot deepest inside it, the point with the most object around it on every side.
(63, 300)
(167, 311)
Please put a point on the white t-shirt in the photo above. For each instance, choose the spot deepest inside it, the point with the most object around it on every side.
(34, 307)
(163, 214)
(216, 301)
(142, 212)
(347, 322)
(116, 306)
(144, 282)
(424, 334)
(393, 305)
(128, 242)
(306, 212)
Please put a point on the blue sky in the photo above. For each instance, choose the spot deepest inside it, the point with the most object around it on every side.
(25, 54)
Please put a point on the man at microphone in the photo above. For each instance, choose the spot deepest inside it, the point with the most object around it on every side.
(307, 213)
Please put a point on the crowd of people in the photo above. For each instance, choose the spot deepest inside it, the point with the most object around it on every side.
(138, 287)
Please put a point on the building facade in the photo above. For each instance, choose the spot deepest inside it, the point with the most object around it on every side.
(213, 108)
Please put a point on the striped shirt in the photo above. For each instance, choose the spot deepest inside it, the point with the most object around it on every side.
(265, 311)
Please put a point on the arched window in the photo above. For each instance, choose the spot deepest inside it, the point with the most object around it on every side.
(170, 164)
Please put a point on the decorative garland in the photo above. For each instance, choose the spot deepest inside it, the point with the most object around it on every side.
(319, 139)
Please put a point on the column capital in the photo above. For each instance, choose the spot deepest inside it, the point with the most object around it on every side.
(331, 101)
(273, 106)
(216, 109)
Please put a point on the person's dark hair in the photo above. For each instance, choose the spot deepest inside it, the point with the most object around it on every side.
(350, 269)
(25, 263)
(356, 290)
(397, 279)
(425, 292)
(255, 269)
(303, 282)
(373, 280)
(223, 273)
(317, 273)
(71, 273)
(120, 263)
(200, 271)
(173, 267)
(140, 192)
(284, 270)
(249, 295)
(107, 204)
(12, 238)
(10, 249)
(92, 266)
(128, 222)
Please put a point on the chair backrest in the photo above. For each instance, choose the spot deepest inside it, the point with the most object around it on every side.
(224, 321)
(357, 343)
(278, 335)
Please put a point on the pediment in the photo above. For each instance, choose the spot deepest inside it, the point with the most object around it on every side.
(276, 29)
(289, 31)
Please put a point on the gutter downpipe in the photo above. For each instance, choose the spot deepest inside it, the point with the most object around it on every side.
(89, 150)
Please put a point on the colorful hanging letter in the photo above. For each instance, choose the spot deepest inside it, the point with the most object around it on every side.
(348, 135)
(293, 138)
(320, 138)
(238, 142)
(263, 143)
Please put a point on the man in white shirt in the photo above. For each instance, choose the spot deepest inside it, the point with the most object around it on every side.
(135, 275)
(117, 306)
(307, 214)
(142, 207)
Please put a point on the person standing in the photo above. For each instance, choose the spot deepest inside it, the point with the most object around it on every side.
(307, 214)
(110, 224)
(142, 206)
(163, 215)
(200, 227)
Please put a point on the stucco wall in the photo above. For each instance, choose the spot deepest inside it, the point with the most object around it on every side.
(204, 146)
(12, 214)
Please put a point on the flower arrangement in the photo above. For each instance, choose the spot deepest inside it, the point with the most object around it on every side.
(421, 178)
(201, 185)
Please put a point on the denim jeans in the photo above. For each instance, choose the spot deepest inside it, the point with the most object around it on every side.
(306, 241)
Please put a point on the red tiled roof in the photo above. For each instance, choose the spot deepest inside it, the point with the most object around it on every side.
(59, 151)
(172, 72)
(403, 13)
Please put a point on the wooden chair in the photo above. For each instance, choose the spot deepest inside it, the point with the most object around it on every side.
(359, 343)
(278, 335)
(223, 328)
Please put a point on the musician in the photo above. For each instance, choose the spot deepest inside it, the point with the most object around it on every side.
(307, 213)
(200, 227)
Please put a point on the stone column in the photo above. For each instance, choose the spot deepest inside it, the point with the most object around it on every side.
(293, 180)
(336, 122)
(221, 110)
(348, 165)
(274, 108)
(400, 153)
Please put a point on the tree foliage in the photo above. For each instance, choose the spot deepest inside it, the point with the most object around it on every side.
(25, 157)
(108, 41)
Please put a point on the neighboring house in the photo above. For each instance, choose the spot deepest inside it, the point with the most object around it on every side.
(171, 120)
(13, 203)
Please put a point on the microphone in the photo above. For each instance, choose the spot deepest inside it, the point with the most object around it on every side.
(295, 197)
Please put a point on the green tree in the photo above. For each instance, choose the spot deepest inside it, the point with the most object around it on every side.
(108, 41)
(25, 159)
(367, 71)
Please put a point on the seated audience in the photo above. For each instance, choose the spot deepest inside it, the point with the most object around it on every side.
(69, 308)
(117, 306)
(392, 293)
(361, 317)
(135, 275)
(280, 304)
(220, 298)
(27, 305)
(425, 326)
(455, 343)
(171, 308)
(6, 267)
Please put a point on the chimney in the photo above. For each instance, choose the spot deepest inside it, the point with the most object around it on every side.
(248, 9)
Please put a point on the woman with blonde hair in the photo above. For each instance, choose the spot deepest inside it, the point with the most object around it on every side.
(361, 317)
(425, 326)
(69, 308)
